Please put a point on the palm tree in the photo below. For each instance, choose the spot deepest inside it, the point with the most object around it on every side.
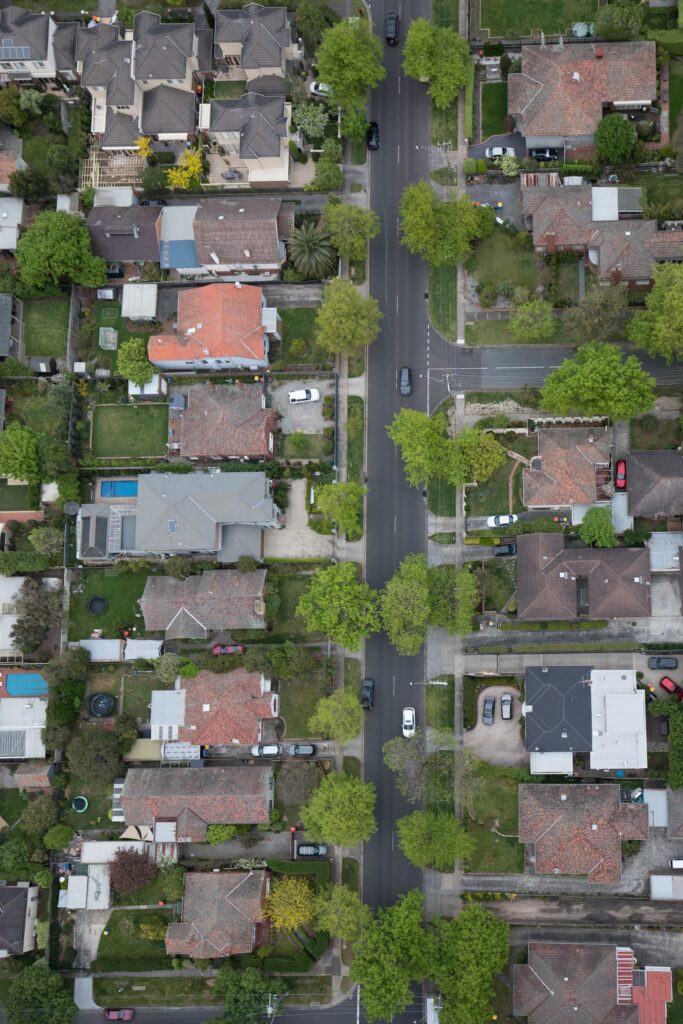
(311, 251)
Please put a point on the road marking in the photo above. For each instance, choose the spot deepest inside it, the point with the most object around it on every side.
(398, 150)
(397, 304)
(399, 85)
(393, 686)
(394, 525)
(392, 839)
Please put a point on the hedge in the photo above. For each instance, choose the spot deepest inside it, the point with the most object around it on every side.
(316, 946)
(12, 562)
(557, 626)
(469, 165)
(111, 964)
(469, 103)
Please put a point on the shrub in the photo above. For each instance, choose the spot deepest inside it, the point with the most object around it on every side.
(482, 166)
(469, 165)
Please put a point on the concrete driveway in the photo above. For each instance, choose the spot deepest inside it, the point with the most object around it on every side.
(500, 743)
(295, 540)
(506, 193)
(513, 139)
(665, 595)
(306, 417)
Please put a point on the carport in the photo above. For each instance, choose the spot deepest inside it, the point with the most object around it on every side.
(665, 551)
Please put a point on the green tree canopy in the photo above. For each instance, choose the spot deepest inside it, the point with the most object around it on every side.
(30, 184)
(312, 18)
(39, 995)
(615, 138)
(480, 454)
(405, 605)
(338, 717)
(342, 504)
(441, 233)
(434, 839)
(94, 753)
(470, 950)
(11, 110)
(453, 597)
(533, 321)
(19, 453)
(245, 993)
(289, 904)
(597, 529)
(425, 448)
(438, 55)
(418, 50)
(312, 118)
(340, 810)
(132, 362)
(340, 605)
(56, 249)
(350, 61)
(47, 540)
(351, 228)
(167, 668)
(620, 19)
(216, 834)
(339, 911)
(346, 322)
(407, 758)
(39, 814)
(311, 251)
(599, 381)
(16, 857)
(37, 608)
(659, 327)
(600, 313)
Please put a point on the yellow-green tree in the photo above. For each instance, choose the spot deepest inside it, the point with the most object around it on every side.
(290, 903)
(187, 172)
(144, 144)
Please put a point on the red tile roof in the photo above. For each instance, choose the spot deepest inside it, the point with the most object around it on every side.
(651, 997)
(223, 421)
(217, 321)
(222, 915)
(564, 471)
(224, 708)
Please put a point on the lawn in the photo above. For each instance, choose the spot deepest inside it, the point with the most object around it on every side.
(46, 322)
(351, 873)
(298, 700)
(298, 324)
(295, 780)
(675, 94)
(228, 90)
(122, 589)
(99, 804)
(35, 145)
(494, 108)
(46, 411)
(491, 802)
(441, 497)
(129, 431)
(359, 152)
(302, 446)
(496, 582)
(440, 704)
(149, 894)
(443, 300)
(122, 941)
(514, 18)
(500, 257)
(445, 125)
(660, 189)
(497, 332)
(148, 991)
(137, 693)
(492, 496)
(16, 497)
(568, 282)
(12, 803)
(108, 314)
(355, 438)
(291, 589)
(351, 765)
(650, 432)
(445, 12)
(305, 990)
(352, 675)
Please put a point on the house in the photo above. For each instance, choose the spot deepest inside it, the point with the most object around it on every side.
(125, 234)
(578, 829)
(562, 92)
(223, 514)
(33, 46)
(180, 803)
(18, 917)
(223, 915)
(22, 720)
(655, 484)
(219, 327)
(580, 710)
(563, 981)
(214, 709)
(571, 468)
(11, 220)
(253, 131)
(221, 421)
(255, 41)
(555, 581)
(196, 606)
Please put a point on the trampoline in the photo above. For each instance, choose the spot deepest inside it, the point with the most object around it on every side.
(97, 605)
(101, 705)
(79, 804)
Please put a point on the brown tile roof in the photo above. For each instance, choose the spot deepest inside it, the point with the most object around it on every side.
(579, 829)
(219, 321)
(33, 775)
(562, 90)
(563, 215)
(554, 580)
(228, 227)
(222, 915)
(224, 708)
(655, 483)
(205, 796)
(223, 421)
(631, 248)
(563, 983)
(563, 473)
(194, 607)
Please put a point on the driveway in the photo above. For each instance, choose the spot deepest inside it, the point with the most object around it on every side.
(306, 417)
(499, 192)
(513, 139)
(295, 540)
(665, 596)
(500, 743)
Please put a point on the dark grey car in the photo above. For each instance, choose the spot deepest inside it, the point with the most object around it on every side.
(367, 694)
(662, 662)
(489, 711)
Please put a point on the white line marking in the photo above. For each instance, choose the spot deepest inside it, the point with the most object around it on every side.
(397, 305)
(398, 150)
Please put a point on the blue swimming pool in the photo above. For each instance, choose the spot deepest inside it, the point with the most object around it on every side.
(119, 489)
(25, 684)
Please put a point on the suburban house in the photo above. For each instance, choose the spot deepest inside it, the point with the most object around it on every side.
(11, 220)
(556, 581)
(222, 915)
(221, 514)
(218, 327)
(22, 720)
(255, 41)
(572, 468)
(125, 234)
(574, 709)
(562, 92)
(578, 830)
(221, 421)
(18, 916)
(253, 132)
(180, 803)
(655, 484)
(34, 47)
(196, 606)
(214, 709)
(563, 981)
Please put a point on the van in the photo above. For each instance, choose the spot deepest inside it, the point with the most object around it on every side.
(676, 865)
(405, 385)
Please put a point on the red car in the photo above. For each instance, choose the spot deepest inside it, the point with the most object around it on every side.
(118, 1014)
(620, 475)
(671, 687)
(228, 649)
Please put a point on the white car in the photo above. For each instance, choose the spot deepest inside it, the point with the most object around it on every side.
(408, 722)
(305, 395)
(320, 90)
(501, 520)
(495, 151)
(266, 750)
(506, 707)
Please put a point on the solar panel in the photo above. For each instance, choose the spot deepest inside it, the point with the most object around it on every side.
(9, 52)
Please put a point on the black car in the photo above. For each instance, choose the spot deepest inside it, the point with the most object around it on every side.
(367, 694)
(301, 750)
(372, 135)
(488, 714)
(391, 29)
(505, 549)
(544, 154)
(662, 662)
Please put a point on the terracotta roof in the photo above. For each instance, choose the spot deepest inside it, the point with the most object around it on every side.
(224, 708)
(631, 248)
(558, 582)
(563, 214)
(227, 227)
(222, 915)
(653, 994)
(219, 321)
(579, 829)
(562, 90)
(223, 421)
(563, 473)
(655, 483)
(198, 605)
(33, 775)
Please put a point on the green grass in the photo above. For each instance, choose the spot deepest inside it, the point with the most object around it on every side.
(149, 991)
(445, 12)
(441, 497)
(440, 704)
(497, 585)
(491, 801)
(660, 189)
(491, 496)
(35, 145)
(351, 873)
(41, 412)
(137, 693)
(497, 332)
(494, 102)
(298, 323)
(291, 589)
(352, 675)
(99, 804)
(665, 434)
(312, 449)
(351, 765)
(228, 90)
(675, 95)
(12, 803)
(45, 327)
(355, 434)
(445, 126)
(515, 18)
(124, 941)
(150, 894)
(16, 497)
(568, 282)
(129, 431)
(359, 152)
(443, 300)
(445, 176)
(500, 257)
(303, 990)
(443, 538)
(108, 314)
(674, 1013)
(298, 700)
(122, 589)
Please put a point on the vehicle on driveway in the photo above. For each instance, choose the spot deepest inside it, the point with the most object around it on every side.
(227, 649)
(367, 694)
(662, 662)
(620, 475)
(372, 135)
(671, 687)
(505, 549)
(506, 707)
(489, 711)
(311, 850)
(408, 722)
(391, 33)
(543, 154)
(301, 749)
(304, 395)
(266, 749)
(118, 1014)
(320, 90)
(495, 151)
(506, 520)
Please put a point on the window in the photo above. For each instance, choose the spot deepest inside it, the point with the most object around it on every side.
(270, 442)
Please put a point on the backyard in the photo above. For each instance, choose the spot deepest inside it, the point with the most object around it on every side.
(122, 590)
(36, 139)
(46, 323)
(494, 108)
(443, 300)
(43, 407)
(129, 431)
(17, 497)
(108, 314)
(491, 804)
(515, 18)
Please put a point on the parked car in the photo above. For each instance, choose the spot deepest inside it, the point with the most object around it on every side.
(620, 475)
(372, 135)
(320, 90)
(408, 722)
(266, 749)
(391, 23)
(301, 749)
(662, 662)
(304, 395)
(228, 649)
(405, 382)
(543, 154)
(506, 707)
(506, 520)
(311, 850)
(118, 1014)
(231, 175)
(494, 151)
(670, 687)
(367, 694)
(489, 711)
(505, 549)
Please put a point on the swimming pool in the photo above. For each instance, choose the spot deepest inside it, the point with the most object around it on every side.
(25, 684)
(119, 489)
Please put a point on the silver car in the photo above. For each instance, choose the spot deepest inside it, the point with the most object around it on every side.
(506, 707)
(495, 151)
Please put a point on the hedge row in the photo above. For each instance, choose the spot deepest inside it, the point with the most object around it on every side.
(557, 626)
(107, 964)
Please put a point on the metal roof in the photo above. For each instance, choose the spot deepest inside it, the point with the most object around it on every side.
(139, 301)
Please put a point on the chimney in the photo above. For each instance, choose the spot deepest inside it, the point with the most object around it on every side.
(550, 243)
(599, 54)
(616, 275)
(576, 76)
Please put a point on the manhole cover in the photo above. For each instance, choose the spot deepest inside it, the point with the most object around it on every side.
(97, 605)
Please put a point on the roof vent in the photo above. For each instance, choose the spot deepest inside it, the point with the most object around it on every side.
(172, 526)
(627, 233)
(576, 76)
(563, 796)
(564, 737)
(206, 707)
(594, 827)
(241, 209)
(247, 253)
(221, 216)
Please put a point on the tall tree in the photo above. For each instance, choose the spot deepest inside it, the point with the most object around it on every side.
(338, 717)
(441, 233)
(339, 911)
(470, 950)
(289, 904)
(405, 605)
(30, 184)
(246, 994)
(47, 540)
(311, 251)
(438, 55)
(342, 504)
(346, 322)
(167, 668)
(312, 118)
(56, 249)
(426, 450)
(312, 18)
(132, 362)
(620, 19)
(533, 321)
(40, 996)
(341, 605)
(19, 453)
(480, 454)
(600, 314)
(351, 228)
(599, 381)
(11, 110)
(94, 753)
(659, 327)
(37, 608)
(597, 528)
(407, 758)
(340, 810)
(39, 814)
(57, 837)
(615, 137)
(434, 839)
(350, 62)
(453, 597)
(418, 56)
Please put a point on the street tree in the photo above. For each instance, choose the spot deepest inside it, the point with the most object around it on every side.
(438, 55)
(659, 327)
(338, 717)
(94, 753)
(340, 605)
(39, 814)
(132, 362)
(245, 993)
(47, 540)
(37, 608)
(407, 758)
(441, 233)
(346, 322)
(601, 313)
(290, 904)
(597, 530)
(426, 451)
(434, 839)
(56, 249)
(349, 60)
(340, 810)
(615, 137)
(30, 184)
(311, 251)
(533, 321)
(167, 668)
(453, 597)
(470, 950)
(40, 996)
(131, 870)
(19, 453)
(599, 381)
(405, 605)
(58, 837)
(418, 55)
(354, 125)
(339, 911)
(342, 504)
(312, 118)
(351, 228)
(479, 455)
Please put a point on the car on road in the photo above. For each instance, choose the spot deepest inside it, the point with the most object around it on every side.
(660, 662)
(227, 649)
(311, 850)
(408, 722)
(405, 382)
(495, 151)
(367, 694)
(372, 135)
(118, 1014)
(506, 520)
(266, 749)
(304, 395)
(506, 707)
(391, 23)
(671, 687)
(489, 711)
(505, 549)
(543, 154)
(320, 90)
(301, 749)
(620, 475)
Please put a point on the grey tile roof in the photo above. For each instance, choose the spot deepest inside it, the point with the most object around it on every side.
(655, 483)
(203, 604)
(6, 304)
(227, 227)
(262, 31)
(64, 43)
(558, 709)
(260, 120)
(162, 50)
(13, 908)
(120, 130)
(24, 29)
(167, 110)
(88, 40)
(94, 534)
(204, 34)
(268, 85)
(110, 67)
(130, 234)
